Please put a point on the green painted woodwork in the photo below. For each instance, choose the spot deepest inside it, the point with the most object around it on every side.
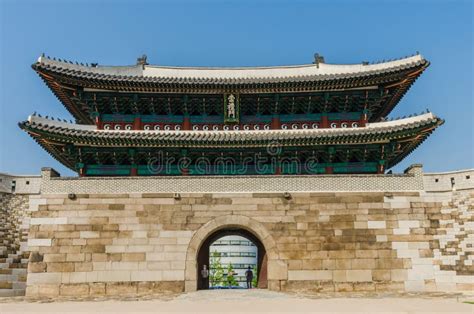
(120, 106)
(288, 168)
(284, 118)
(101, 170)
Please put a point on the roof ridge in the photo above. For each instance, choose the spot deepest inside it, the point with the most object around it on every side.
(155, 70)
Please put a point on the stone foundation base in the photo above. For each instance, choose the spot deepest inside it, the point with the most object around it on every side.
(329, 286)
(105, 289)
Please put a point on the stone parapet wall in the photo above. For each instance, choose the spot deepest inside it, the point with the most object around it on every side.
(446, 181)
(412, 180)
(89, 244)
(21, 184)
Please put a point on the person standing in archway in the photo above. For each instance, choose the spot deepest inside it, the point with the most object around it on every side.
(205, 276)
(249, 277)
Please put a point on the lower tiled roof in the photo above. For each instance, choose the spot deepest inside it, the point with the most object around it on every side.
(88, 135)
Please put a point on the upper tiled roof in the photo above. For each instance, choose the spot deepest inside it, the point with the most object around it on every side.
(229, 75)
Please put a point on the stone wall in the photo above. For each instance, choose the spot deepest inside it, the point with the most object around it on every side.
(107, 244)
(20, 184)
(446, 181)
(411, 180)
(13, 236)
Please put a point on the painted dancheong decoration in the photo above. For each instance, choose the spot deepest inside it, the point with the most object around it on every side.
(310, 119)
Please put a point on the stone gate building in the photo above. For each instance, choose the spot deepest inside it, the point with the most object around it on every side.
(293, 158)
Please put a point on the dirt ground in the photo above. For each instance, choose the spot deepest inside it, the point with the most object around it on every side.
(247, 301)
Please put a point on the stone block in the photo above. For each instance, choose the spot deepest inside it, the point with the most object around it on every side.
(359, 275)
(121, 288)
(98, 257)
(133, 257)
(178, 265)
(48, 221)
(343, 264)
(381, 275)
(146, 275)
(376, 224)
(344, 287)
(114, 276)
(363, 263)
(302, 275)
(60, 267)
(50, 291)
(39, 242)
(342, 254)
(339, 276)
(274, 285)
(96, 289)
(173, 275)
(38, 267)
(360, 224)
(33, 291)
(83, 267)
(74, 289)
(415, 285)
(43, 278)
(89, 234)
(364, 286)
(310, 264)
(75, 257)
(191, 285)
(277, 270)
(398, 274)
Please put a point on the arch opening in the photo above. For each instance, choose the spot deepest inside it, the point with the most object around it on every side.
(204, 256)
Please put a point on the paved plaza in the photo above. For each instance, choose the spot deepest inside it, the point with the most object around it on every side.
(249, 301)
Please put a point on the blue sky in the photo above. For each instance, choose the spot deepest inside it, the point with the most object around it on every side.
(240, 33)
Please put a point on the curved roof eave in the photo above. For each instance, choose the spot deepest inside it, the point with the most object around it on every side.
(230, 75)
(76, 132)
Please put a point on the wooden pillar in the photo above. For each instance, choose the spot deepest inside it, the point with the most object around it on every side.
(81, 169)
(186, 125)
(137, 123)
(363, 118)
(278, 167)
(329, 167)
(98, 123)
(324, 120)
(381, 167)
(134, 170)
(184, 171)
(275, 124)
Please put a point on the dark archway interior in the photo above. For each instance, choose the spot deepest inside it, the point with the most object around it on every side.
(203, 255)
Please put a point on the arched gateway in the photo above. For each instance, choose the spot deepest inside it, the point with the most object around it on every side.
(198, 250)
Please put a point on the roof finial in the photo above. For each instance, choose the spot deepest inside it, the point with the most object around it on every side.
(318, 59)
(142, 61)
